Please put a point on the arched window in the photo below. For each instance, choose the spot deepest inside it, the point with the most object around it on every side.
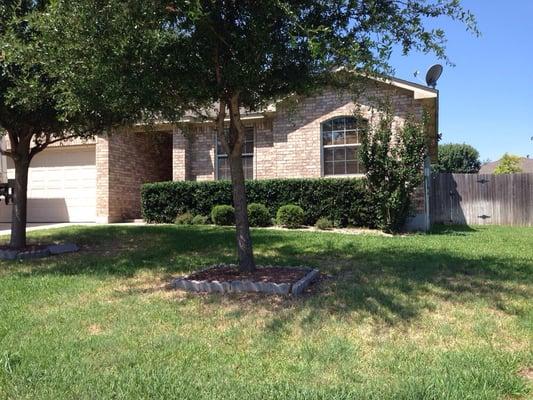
(341, 140)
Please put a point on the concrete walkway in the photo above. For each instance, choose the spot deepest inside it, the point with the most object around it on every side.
(5, 228)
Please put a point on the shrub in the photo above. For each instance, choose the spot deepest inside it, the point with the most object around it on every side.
(343, 201)
(184, 219)
(258, 215)
(223, 215)
(290, 216)
(394, 164)
(324, 224)
(200, 220)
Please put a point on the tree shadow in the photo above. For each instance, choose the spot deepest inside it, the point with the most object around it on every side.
(391, 280)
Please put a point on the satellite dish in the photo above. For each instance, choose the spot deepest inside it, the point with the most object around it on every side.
(433, 75)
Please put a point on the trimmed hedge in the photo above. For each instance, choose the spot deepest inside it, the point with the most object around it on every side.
(342, 201)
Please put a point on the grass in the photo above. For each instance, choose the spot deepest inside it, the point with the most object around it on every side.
(441, 316)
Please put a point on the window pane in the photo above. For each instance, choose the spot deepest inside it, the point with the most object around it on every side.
(351, 167)
(328, 154)
(352, 137)
(351, 153)
(339, 154)
(327, 138)
(248, 141)
(224, 172)
(344, 133)
(223, 168)
(338, 137)
(351, 123)
(248, 164)
(339, 167)
(328, 168)
(220, 148)
(337, 124)
(249, 134)
(248, 148)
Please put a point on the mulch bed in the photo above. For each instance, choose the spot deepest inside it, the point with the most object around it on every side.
(261, 274)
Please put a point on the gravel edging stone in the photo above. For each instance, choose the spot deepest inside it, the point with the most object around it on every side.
(25, 254)
(237, 286)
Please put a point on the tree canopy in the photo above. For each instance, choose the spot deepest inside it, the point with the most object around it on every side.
(459, 158)
(76, 68)
(217, 58)
(48, 94)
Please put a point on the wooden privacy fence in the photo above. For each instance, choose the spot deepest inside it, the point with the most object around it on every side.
(478, 199)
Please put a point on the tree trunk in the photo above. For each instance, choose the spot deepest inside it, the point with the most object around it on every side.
(244, 239)
(20, 203)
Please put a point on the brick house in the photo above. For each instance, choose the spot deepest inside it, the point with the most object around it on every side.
(99, 180)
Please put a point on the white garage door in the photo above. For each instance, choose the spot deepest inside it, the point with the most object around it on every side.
(61, 186)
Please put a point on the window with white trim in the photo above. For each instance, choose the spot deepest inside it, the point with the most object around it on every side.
(341, 141)
(223, 169)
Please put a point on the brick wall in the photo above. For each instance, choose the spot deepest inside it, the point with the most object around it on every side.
(193, 153)
(288, 145)
(123, 163)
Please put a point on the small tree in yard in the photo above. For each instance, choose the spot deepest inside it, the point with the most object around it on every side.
(508, 164)
(244, 55)
(48, 97)
(458, 158)
(29, 111)
(394, 164)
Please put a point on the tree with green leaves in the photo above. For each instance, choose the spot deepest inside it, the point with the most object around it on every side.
(29, 112)
(228, 57)
(457, 158)
(39, 106)
(508, 164)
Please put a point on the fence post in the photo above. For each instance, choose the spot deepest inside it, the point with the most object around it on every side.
(427, 188)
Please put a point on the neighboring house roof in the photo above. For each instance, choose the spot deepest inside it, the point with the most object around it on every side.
(525, 163)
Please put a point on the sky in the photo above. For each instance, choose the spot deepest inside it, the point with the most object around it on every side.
(486, 100)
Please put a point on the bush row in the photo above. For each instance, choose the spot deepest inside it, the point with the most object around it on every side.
(342, 201)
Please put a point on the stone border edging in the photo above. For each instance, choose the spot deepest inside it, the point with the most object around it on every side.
(53, 249)
(238, 286)
(299, 286)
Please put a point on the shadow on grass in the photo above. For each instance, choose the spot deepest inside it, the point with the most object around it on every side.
(455, 230)
(390, 279)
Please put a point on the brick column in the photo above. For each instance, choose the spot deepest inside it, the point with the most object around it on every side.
(180, 156)
(102, 180)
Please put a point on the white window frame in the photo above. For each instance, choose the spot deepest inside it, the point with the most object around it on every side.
(218, 156)
(331, 146)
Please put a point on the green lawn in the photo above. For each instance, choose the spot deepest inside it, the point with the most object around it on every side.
(441, 316)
